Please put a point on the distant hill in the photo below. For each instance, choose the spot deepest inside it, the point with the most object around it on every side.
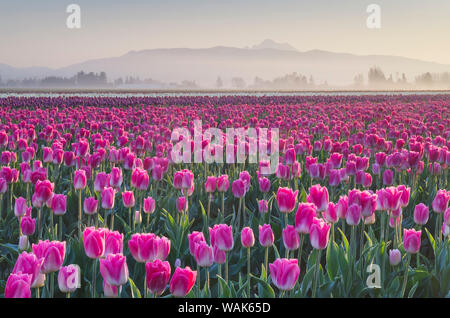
(266, 60)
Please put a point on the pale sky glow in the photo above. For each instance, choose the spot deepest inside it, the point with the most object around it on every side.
(34, 33)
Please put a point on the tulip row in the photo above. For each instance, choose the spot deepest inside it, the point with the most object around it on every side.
(362, 176)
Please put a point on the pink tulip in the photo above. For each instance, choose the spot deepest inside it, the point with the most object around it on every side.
(447, 217)
(354, 215)
(341, 207)
(183, 179)
(247, 237)
(114, 269)
(368, 203)
(115, 177)
(204, 255)
(182, 281)
(140, 179)
(223, 183)
(330, 214)
(79, 180)
(128, 199)
(20, 207)
(411, 240)
(221, 235)
(264, 184)
(421, 214)
(306, 212)
(59, 204)
(390, 198)
(113, 243)
(149, 205)
(108, 194)
(238, 188)
(219, 256)
(53, 254)
(319, 234)
(43, 191)
(18, 286)
(284, 273)
(286, 199)
(94, 242)
(319, 196)
(266, 236)
(90, 205)
(101, 181)
(291, 239)
(181, 204)
(69, 278)
(395, 257)
(195, 238)
(440, 202)
(211, 184)
(29, 263)
(388, 177)
(28, 225)
(157, 276)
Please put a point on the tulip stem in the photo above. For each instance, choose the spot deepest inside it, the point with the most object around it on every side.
(226, 267)
(199, 281)
(60, 227)
(112, 220)
(207, 281)
(68, 295)
(300, 249)
(223, 204)
(248, 272)
(79, 214)
(94, 277)
(38, 293)
(52, 284)
(39, 222)
(316, 273)
(405, 278)
(266, 260)
(219, 272)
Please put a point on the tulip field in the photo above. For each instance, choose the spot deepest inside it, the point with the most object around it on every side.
(93, 203)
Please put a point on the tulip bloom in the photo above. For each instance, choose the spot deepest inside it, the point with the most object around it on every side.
(291, 239)
(204, 255)
(79, 180)
(221, 235)
(319, 234)
(263, 206)
(128, 199)
(421, 214)
(319, 196)
(195, 238)
(157, 276)
(211, 184)
(140, 179)
(286, 199)
(69, 278)
(53, 254)
(223, 183)
(29, 263)
(238, 188)
(306, 212)
(113, 243)
(108, 194)
(28, 225)
(266, 236)
(18, 286)
(94, 242)
(353, 216)
(395, 257)
(114, 269)
(440, 202)
(43, 191)
(59, 204)
(20, 207)
(182, 281)
(90, 205)
(149, 205)
(284, 273)
(247, 237)
(115, 177)
(411, 240)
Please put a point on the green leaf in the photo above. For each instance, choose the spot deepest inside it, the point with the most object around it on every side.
(432, 241)
(264, 289)
(332, 260)
(413, 290)
(226, 292)
(344, 240)
(135, 293)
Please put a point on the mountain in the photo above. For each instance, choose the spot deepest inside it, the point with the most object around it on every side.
(270, 44)
(266, 60)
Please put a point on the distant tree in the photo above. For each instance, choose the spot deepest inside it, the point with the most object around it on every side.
(219, 82)
(376, 76)
(358, 80)
(238, 82)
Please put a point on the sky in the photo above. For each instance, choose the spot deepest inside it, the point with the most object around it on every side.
(34, 33)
